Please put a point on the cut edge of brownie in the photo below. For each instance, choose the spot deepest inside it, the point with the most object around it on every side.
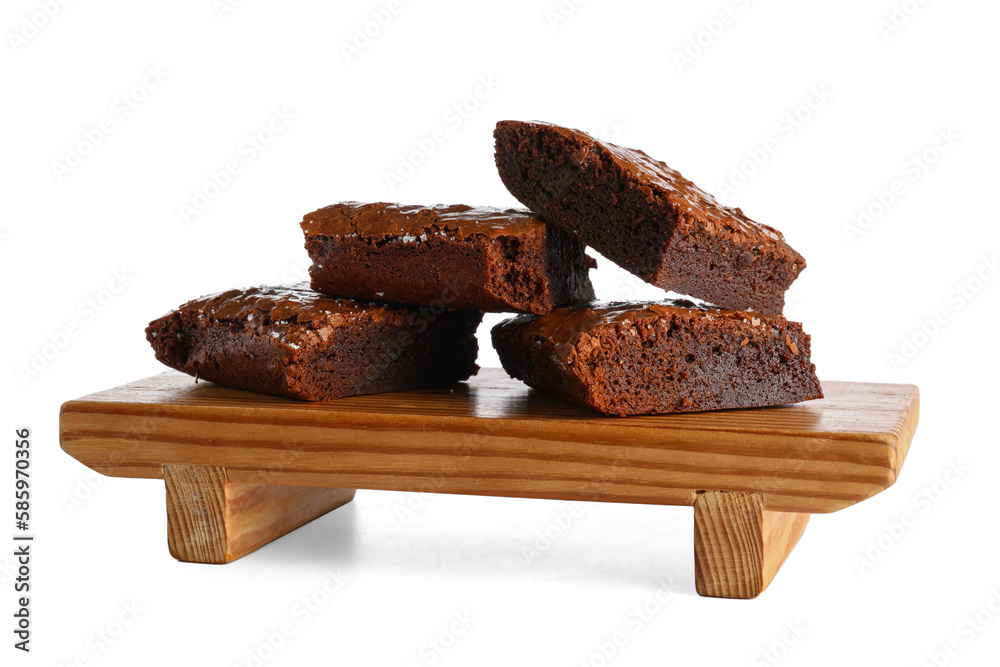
(658, 358)
(331, 349)
(554, 271)
(646, 217)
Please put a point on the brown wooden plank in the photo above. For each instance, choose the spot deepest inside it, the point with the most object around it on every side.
(213, 520)
(738, 545)
(494, 436)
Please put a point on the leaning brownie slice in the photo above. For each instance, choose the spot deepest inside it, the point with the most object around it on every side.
(291, 341)
(648, 358)
(449, 256)
(646, 217)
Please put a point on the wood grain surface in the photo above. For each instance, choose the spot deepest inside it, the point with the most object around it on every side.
(213, 520)
(494, 436)
(738, 545)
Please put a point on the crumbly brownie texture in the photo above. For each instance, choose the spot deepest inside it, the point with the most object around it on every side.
(459, 256)
(290, 341)
(649, 358)
(646, 217)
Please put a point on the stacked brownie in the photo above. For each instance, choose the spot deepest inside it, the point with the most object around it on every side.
(464, 257)
(646, 217)
(397, 293)
(733, 351)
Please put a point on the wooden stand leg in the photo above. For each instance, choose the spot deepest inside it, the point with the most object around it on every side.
(213, 520)
(738, 545)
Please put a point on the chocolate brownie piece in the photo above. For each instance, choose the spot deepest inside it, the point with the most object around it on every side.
(459, 256)
(291, 341)
(648, 358)
(646, 217)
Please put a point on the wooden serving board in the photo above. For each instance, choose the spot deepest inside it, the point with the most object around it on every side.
(490, 436)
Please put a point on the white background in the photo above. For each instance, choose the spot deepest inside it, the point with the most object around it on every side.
(865, 101)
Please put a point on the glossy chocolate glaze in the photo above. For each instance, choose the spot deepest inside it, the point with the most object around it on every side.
(287, 304)
(564, 326)
(669, 183)
(384, 219)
